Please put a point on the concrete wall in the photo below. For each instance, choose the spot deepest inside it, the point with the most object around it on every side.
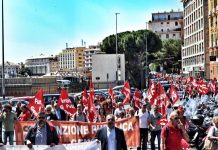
(104, 64)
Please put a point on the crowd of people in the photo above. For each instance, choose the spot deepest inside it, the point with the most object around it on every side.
(171, 136)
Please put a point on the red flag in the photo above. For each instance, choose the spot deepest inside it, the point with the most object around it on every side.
(190, 79)
(84, 98)
(91, 107)
(163, 99)
(174, 94)
(152, 93)
(111, 94)
(137, 98)
(189, 88)
(65, 103)
(163, 121)
(37, 104)
(213, 86)
(126, 92)
(202, 87)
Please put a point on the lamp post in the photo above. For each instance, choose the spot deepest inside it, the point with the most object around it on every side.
(3, 57)
(146, 60)
(116, 51)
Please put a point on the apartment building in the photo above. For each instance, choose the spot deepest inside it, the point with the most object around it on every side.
(211, 54)
(168, 25)
(93, 49)
(195, 37)
(72, 59)
(39, 65)
(10, 69)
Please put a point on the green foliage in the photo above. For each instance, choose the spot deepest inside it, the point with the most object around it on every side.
(171, 55)
(25, 71)
(133, 45)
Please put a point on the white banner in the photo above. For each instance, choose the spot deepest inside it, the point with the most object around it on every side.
(77, 146)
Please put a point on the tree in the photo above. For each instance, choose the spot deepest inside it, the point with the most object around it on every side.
(25, 71)
(171, 55)
(133, 45)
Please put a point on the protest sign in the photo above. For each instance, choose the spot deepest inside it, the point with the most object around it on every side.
(76, 132)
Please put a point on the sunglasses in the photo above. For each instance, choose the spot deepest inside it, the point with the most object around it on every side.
(41, 117)
(176, 118)
(110, 119)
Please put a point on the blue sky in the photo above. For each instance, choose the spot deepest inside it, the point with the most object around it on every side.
(34, 27)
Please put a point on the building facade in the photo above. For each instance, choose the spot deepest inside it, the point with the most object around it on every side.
(72, 59)
(39, 65)
(88, 56)
(195, 29)
(212, 51)
(107, 69)
(10, 69)
(167, 25)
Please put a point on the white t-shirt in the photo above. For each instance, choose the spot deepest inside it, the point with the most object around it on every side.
(143, 118)
(211, 132)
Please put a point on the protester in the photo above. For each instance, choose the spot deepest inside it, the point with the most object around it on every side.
(111, 137)
(101, 115)
(155, 128)
(144, 120)
(26, 114)
(42, 133)
(182, 118)
(18, 109)
(118, 110)
(60, 113)
(173, 133)
(131, 113)
(8, 119)
(49, 113)
(79, 115)
(105, 106)
(212, 136)
(1, 108)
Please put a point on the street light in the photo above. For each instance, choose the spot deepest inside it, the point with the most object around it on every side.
(146, 59)
(116, 51)
(3, 57)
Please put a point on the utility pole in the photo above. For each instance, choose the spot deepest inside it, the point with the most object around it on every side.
(116, 52)
(146, 59)
(3, 55)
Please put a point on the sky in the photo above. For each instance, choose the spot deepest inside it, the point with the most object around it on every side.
(34, 27)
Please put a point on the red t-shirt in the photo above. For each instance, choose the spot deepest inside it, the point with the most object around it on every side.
(174, 137)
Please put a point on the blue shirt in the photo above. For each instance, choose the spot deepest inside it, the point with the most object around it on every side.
(58, 114)
(41, 136)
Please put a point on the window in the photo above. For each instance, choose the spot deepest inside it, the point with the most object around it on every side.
(176, 23)
(161, 30)
(167, 36)
(174, 34)
(161, 22)
(167, 22)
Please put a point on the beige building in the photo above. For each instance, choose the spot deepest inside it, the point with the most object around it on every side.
(167, 25)
(54, 65)
(72, 59)
(212, 52)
